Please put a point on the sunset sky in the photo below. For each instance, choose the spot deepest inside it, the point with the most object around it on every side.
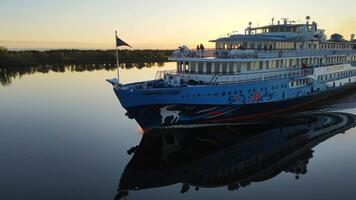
(154, 24)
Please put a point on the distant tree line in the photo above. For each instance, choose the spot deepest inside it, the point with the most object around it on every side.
(7, 74)
(73, 56)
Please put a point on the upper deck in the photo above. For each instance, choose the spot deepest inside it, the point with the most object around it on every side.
(256, 55)
(281, 40)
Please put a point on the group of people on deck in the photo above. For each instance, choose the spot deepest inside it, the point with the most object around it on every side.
(200, 49)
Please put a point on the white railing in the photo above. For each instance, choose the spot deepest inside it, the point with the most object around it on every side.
(221, 78)
(208, 53)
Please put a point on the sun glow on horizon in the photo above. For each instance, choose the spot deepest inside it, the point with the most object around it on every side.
(153, 24)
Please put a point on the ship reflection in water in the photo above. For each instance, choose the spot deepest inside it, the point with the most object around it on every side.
(230, 156)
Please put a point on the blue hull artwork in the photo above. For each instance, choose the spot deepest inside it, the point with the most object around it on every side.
(186, 115)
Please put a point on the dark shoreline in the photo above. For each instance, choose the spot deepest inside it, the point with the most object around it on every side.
(30, 58)
(8, 74)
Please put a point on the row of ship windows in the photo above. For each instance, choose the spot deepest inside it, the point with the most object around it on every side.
(229, 93)
(255, 65)
(335, 46)
(302, 82)
(256, 45)
(279, 45)
(353, 58)
(332, 76)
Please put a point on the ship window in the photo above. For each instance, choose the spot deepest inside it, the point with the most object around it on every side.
(254, 66)
(244, 45)
(247, 65)
(290, 62)
(230, 67)
(223, 93)
(224, 67)
(200, 67)
(208, 67)
(237, 67)
(267, 65)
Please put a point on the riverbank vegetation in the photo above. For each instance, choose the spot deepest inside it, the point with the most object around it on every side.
(30, 58)
(7, 74)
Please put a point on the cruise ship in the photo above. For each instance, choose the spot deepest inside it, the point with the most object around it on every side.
(266, 70)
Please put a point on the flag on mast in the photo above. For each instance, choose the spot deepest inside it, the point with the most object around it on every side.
(120, 42)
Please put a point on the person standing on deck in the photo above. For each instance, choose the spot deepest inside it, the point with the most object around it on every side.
(201, 47)
(198, 51)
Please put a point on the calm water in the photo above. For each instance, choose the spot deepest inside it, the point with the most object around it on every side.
(63, 135)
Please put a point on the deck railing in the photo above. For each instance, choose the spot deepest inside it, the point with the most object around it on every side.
(212, 53)
(226, 78)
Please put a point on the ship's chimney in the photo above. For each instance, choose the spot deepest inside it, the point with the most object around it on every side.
(307, 18)
(249, 28)
(352, 37)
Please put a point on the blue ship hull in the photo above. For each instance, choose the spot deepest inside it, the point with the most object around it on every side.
(235, 109)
